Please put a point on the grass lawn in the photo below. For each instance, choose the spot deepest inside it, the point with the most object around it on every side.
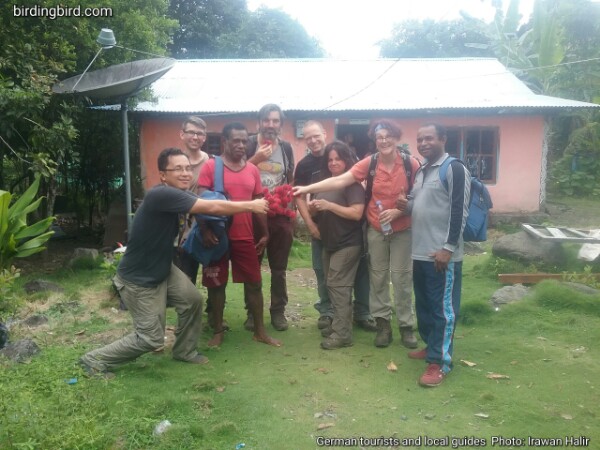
(527, 370)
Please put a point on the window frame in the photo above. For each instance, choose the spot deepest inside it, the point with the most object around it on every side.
(460, 138)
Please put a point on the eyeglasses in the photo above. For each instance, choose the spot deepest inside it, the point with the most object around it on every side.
(384, 138)
(195, 133)
(180, 169)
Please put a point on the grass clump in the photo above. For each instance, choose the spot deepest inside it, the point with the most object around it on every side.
(558, 296)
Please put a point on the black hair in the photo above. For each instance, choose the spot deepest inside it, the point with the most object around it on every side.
(163, 157)
(232, 126)
(345, 153)
(439, 129)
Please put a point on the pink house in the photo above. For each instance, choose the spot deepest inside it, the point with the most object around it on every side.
(495, 123)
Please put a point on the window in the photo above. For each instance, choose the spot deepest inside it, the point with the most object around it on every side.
(477, 148)
(212, 145)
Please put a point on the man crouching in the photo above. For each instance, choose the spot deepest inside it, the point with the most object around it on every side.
(147, 280)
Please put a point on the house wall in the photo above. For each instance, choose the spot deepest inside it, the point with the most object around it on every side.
(517, 187)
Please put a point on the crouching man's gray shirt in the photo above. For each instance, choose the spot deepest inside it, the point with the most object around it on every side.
(438, 213)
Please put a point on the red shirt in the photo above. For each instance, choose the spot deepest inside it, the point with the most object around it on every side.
(242, 185)
(386, 188)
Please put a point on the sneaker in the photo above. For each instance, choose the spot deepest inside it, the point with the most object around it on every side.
(324, 322)
(408, 338)
(249, 323)
(279, 321)
(332, 343)
(433, 376)
(92, 372)
(366, 324)
(418, 354)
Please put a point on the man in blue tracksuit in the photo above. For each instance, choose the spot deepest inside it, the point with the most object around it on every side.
(439, 213)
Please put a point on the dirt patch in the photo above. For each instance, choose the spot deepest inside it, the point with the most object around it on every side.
(576, 213)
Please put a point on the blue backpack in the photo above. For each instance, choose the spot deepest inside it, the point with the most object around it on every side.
(479, 205)
(193, 245)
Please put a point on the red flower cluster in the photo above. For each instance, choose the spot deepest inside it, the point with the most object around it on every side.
(279, 200)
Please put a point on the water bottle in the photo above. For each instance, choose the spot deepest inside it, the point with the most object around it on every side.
(386, 228)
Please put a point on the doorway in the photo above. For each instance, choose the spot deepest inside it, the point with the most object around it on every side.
(356, 137)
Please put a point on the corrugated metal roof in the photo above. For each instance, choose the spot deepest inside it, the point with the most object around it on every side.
(221, 86)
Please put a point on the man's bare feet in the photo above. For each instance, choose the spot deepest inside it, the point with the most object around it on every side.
(217, 339)
(266, 339)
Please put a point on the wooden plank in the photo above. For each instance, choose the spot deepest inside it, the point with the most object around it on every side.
(532, 278)
(527, 278)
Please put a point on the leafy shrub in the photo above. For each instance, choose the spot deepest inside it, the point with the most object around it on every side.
(578, 171)
(17, 239)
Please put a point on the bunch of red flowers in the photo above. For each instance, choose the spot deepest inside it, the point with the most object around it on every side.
(279, 199)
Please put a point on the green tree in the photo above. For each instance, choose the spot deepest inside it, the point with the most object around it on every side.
(227, 29)
(271, 33)
(578, 171)
(37, 132)
(207, 28)
(431, 39)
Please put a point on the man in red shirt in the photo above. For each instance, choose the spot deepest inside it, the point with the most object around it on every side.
(241, 180)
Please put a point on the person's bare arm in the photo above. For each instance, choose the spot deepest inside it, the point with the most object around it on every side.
(352, 212)
(226, 208)
(262, 231)
(263, 153)
(306, 216)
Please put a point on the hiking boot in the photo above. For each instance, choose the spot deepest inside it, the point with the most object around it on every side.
(249, 323)
(418, 354)
(324, 322)
(433, 376)
(279, 321)
(408, 337)
(384, 332)
(332, 343)
(366, 324)
(326, 332)
(92, 372)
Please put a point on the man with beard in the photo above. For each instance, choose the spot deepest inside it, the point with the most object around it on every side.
(274, 158)
(147, 279)
(241, 181)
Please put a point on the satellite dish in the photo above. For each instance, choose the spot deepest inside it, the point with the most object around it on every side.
(118, 81)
